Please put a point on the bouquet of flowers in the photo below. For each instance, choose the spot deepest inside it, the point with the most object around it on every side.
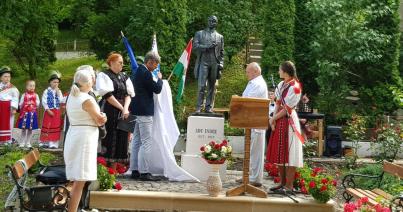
(107, 175)
(216, 153)
(315, 182)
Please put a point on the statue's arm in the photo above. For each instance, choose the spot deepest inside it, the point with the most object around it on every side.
(221, 56)
(197, 46)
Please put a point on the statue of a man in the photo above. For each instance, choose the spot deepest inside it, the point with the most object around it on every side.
(209, 47)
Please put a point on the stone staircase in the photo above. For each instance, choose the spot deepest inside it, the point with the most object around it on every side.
(254, 50)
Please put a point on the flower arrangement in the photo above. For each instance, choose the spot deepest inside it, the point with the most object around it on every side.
(315, 182)
(216, 153)
(363, 206)
(107, 175)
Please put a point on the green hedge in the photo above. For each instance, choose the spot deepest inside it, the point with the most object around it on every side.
(278, 34)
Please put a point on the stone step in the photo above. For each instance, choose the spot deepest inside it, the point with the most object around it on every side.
(170, 201)
(256, 59)
(257, 46)
(254, 40)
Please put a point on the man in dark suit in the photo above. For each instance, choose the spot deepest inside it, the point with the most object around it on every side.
(143, 107)
(209, 47)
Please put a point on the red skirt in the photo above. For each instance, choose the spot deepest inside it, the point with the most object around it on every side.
(5, 127)
(51, 126)
(278, 150)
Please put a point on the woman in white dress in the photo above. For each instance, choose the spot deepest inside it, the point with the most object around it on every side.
(80, 152)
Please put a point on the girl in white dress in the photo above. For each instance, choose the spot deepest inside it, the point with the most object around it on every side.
(80, 152)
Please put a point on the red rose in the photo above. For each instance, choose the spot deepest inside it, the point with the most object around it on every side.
(217, 146)
(224, 143)
(313, 174)
(324, 180)
(297, 175)
(364, 200)
(212, 143)
(349, 207)
(101, 160)
(121, 169)
(118, 186)
(323, 188)
(202, 148)
(317, 170)
(276, 179)
(111, 171)
(312, 184)
(302, 182)
(334, 182)
(303, 190)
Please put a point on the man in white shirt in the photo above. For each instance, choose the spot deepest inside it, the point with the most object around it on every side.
(256, 88)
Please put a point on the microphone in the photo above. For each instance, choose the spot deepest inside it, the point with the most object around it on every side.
(272, 81)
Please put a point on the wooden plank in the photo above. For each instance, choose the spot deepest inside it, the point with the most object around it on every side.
(356, 193)
(249, 112)
(369, 194)
(393, 169)
(18, 170)
(30, 159)
(320, 137)
(382, 193)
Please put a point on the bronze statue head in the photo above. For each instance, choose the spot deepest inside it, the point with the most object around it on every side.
(212, 22)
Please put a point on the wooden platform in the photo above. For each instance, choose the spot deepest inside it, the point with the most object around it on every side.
(169, 201)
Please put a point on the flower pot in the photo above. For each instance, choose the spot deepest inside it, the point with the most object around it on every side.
(214, 184)
(222, 161)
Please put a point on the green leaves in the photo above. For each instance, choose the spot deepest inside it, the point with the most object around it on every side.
(30, 26)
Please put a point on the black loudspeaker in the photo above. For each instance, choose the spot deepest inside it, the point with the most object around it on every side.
(333, 141)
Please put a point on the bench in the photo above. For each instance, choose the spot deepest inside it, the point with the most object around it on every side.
(351, 189)
(39, 197)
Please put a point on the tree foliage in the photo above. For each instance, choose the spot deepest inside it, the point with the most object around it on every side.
(278, 35)
(355, 47)
(30, 26)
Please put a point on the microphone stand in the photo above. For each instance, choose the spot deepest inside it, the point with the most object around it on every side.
(282, 190)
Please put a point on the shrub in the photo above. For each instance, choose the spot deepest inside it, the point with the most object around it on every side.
(387, 143)
(315, 182)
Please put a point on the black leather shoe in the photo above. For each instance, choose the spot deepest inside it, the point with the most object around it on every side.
(148, 177)
(209, 111)
(135, 175)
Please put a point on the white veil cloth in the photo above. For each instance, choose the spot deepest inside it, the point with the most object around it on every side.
(165, 135)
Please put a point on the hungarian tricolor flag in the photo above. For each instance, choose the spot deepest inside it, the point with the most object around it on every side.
(181, 68)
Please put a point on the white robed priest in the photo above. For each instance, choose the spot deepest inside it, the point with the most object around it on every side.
(165, 134)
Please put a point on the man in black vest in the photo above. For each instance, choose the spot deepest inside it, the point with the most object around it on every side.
(143, 107)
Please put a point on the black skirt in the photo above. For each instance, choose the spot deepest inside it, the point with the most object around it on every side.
(115, 144)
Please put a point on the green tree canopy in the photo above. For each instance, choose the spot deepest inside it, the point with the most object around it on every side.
(30, 26)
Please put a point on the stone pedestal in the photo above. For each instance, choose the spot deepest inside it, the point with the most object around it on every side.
(201, 130)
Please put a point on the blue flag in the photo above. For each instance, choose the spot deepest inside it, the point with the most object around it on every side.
(132, 57)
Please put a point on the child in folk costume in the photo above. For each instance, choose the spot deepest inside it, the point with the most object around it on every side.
(8, 105)
(52, 121)
(28, 119)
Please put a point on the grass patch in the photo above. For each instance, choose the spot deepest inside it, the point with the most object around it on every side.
(65, 67)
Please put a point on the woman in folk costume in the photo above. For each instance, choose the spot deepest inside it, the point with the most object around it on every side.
(116, 90)
(8, 105)
(28, 119)
(285, 145)
(52, 121)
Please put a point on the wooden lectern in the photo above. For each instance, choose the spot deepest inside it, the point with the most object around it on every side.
(248, 113)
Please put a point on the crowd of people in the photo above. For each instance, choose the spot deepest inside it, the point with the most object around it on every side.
(121, 96)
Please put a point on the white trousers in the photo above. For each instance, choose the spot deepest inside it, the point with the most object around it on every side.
(256, 156)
